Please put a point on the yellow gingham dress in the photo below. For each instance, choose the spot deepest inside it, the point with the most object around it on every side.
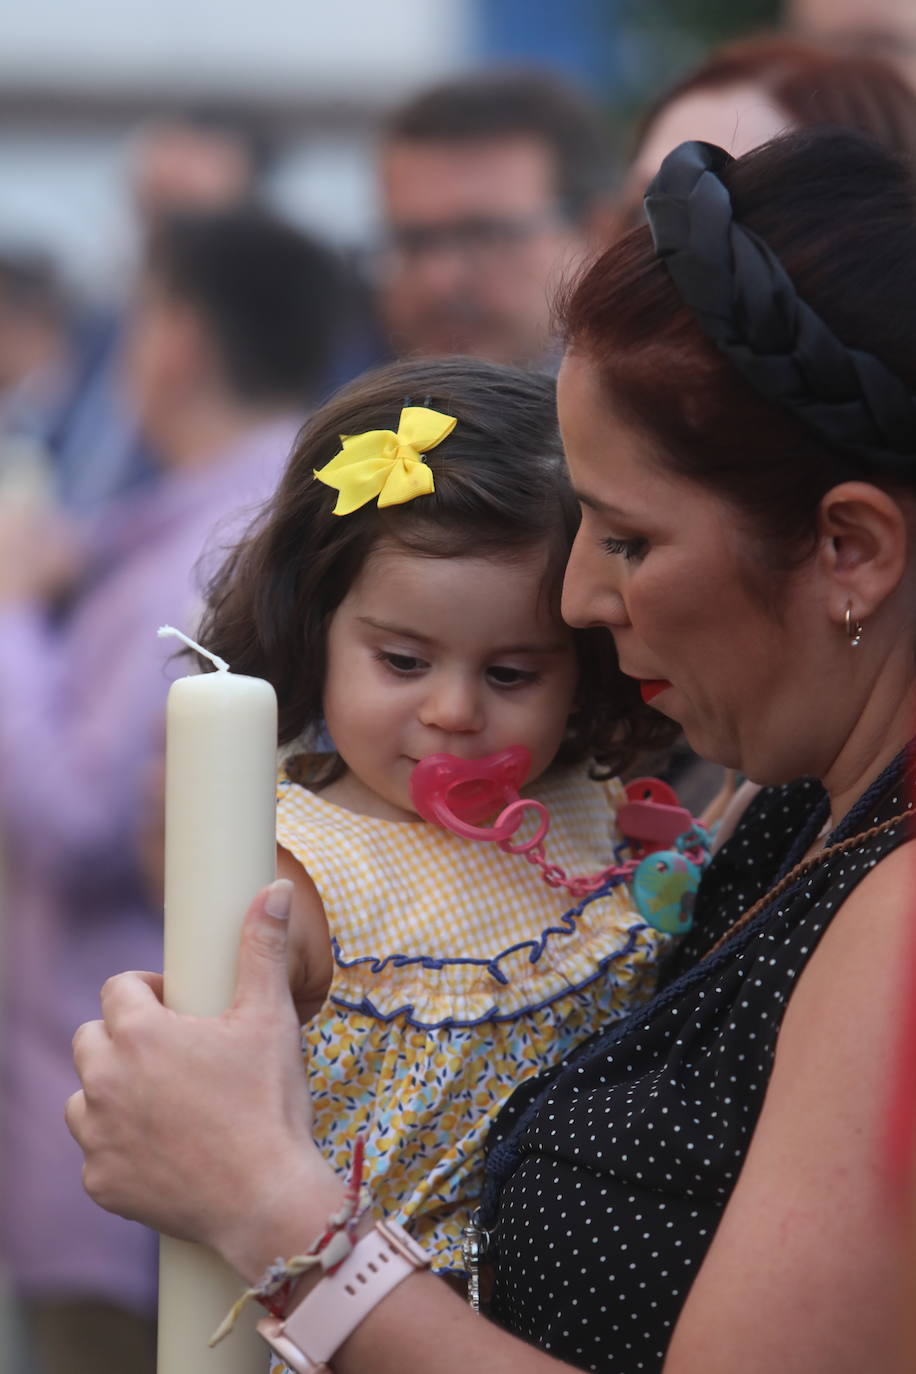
(457, 974)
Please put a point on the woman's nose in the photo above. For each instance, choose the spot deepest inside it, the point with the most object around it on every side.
(592, 592)
(452, 705)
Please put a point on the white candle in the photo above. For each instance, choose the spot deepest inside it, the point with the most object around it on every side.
(220, 849)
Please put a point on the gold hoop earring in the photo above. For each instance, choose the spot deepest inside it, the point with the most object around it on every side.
(853, 628)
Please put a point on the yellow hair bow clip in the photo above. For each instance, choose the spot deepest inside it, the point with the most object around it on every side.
(384, 464)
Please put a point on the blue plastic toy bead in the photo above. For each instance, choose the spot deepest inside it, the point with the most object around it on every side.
(665, 889)
(698, 837)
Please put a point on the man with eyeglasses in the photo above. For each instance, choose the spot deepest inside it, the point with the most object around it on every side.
(494, 187)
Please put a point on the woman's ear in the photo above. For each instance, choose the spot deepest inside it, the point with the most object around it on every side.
(863, 545)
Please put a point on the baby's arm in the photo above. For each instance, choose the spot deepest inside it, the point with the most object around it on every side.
(732, 813)
(311, 962)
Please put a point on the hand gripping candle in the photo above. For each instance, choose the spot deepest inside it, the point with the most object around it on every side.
(220, 850)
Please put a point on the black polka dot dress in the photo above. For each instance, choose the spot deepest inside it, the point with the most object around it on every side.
(608, 1176)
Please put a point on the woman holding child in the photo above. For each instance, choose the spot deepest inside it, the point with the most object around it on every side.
(697, 1188)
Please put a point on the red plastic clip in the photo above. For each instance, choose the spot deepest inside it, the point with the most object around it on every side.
(651, 818)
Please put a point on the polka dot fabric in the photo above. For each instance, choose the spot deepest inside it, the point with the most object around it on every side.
(458, 973)
(625, 1168)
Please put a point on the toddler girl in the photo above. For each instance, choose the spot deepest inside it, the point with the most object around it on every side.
(402, 594)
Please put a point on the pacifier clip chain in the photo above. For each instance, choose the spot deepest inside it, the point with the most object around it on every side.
(668, 847)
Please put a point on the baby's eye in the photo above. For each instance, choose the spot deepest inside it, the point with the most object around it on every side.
(503, 676)
(400, 663)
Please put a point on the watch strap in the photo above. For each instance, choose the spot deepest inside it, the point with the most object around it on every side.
(318, 1326)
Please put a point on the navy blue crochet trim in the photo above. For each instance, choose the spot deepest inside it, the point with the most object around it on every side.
(566, 927)
(504, 1157)
(368, 1008)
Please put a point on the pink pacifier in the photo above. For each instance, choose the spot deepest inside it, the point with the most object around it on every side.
(459, 793)
(667, 847)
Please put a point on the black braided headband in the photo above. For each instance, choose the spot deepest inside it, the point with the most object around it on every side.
(745, 303)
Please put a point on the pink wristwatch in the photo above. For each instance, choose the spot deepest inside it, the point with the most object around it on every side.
(308, 1337)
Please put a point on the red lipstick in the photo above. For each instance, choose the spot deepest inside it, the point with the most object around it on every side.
(649, 688)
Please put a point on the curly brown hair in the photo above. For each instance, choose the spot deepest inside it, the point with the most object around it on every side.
(500, 490)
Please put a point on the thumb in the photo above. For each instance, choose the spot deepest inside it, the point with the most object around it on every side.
(262, 971)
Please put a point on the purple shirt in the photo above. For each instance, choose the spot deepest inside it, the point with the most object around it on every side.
(81, 731)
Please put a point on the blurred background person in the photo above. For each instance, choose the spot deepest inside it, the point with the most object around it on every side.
(746, 92)
(183, 161)
(884, 26)
(194, 159)
(227, 338)
(38, 349)
(493, 186)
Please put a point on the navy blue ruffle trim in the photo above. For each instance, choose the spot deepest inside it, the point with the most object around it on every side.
(566, 927)
(368, 1008)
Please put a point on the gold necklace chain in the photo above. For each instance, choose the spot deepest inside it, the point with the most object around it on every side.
(801, 868)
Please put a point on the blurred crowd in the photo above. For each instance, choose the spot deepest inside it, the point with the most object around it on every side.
(136, 442)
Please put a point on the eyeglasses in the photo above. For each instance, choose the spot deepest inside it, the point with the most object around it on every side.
(480, 241)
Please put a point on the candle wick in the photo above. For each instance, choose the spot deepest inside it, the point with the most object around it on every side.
(166, 631)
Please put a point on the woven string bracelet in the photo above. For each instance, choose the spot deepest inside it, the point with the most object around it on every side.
(327, 1252)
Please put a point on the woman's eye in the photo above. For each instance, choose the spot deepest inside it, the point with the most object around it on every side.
(399, 663)
(511, 677)
(630, 549)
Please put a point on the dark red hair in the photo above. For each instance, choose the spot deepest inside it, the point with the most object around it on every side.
(841, 214)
